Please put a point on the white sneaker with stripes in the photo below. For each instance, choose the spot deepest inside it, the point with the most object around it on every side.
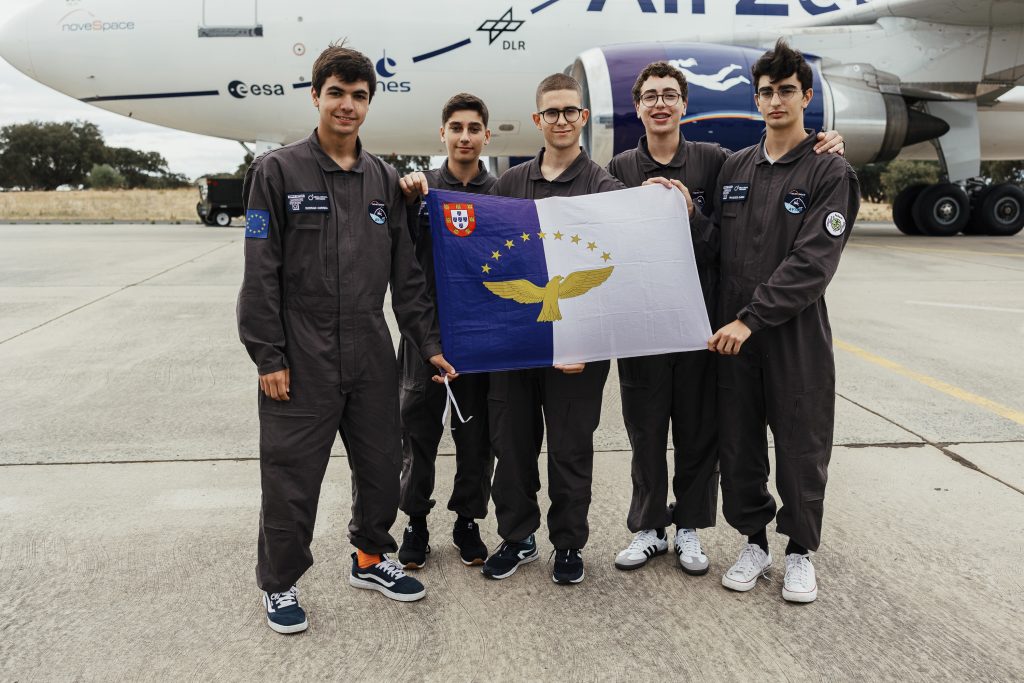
(645, 545)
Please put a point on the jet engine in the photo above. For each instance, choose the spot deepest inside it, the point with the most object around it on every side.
(874, 119)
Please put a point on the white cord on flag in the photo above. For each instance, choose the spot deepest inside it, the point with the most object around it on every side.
(449, 402)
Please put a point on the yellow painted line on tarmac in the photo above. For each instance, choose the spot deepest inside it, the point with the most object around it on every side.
(937, 251)
(937, 384)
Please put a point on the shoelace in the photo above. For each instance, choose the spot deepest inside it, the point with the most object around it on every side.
(391, 568)
(556, 553)
(796, 567)
(285, 599)
(748, 559)
(643, 539)
(691, 543)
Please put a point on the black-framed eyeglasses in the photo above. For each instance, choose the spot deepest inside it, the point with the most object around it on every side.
(570, 114)
(785, 93)
(669, 97)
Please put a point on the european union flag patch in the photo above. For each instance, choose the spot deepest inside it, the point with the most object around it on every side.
(257, 224)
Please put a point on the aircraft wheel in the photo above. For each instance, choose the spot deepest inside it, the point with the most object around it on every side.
(975, 226)
(942, 210)
(221, 218)
(1001, 210)
(902, 209)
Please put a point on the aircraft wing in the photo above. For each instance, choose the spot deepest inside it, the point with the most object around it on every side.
(994, 13)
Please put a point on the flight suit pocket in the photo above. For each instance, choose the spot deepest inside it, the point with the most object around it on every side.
(308, 221)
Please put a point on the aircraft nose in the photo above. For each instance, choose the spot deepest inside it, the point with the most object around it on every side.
(14, 44)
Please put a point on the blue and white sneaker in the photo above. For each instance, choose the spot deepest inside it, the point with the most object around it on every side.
(283, 612)
(568, 566)
(388, 578)
(507, 558)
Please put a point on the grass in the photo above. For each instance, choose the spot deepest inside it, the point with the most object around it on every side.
(144, 206)
(165, 206)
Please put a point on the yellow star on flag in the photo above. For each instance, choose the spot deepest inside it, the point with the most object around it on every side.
(575, 239)
(541, 235)
(526, 237)
(509, 243)
(591, 246)
(495, 255)
(486, 268)
(558, 235)
(606, 256)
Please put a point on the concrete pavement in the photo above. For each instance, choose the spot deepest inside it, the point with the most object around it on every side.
(129, 497)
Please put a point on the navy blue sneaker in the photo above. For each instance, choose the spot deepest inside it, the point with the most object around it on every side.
(466, 536)
(510, 554)
(388, 578)
(568, 566)
(283, 612)
(415, 546)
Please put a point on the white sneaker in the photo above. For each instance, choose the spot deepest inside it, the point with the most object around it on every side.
(691, 558)
(800, 585)
(752, 563)
(643, 547)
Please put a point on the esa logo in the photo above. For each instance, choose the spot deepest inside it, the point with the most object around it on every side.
(386, 70)
(240, 89)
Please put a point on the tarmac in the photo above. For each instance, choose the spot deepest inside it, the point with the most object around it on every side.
(130, 494)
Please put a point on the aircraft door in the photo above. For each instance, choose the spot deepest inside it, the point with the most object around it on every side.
(230, 19)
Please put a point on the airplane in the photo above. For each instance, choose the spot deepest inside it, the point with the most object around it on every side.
(911, 78)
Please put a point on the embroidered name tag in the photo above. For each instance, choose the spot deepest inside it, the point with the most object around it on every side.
(308, 202)
(736, 192)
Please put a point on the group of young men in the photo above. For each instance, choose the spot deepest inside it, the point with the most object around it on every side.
(329, 227)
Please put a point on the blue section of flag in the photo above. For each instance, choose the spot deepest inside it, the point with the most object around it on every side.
(257, 224)
(480, 331)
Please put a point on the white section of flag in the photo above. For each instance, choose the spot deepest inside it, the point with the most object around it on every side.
(652, 302)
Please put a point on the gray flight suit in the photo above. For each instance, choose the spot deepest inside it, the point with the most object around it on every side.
(782, 227)
(423, 401)
(522, 401)
(332, 242)
(676, 387)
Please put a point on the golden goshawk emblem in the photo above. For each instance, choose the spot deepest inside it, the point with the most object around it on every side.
(525, 292)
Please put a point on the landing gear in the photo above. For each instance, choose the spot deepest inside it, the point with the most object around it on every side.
(999, 210)
(903, 209)
(944, 209)
(941, 210)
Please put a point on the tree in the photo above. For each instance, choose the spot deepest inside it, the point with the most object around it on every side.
(407, 164)
(1003, 171)
(44, 156)
(143, 169)
(104, 177)
(901, 174)
(870, 176)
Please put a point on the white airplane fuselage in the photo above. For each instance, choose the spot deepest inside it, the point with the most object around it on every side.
(240, 69)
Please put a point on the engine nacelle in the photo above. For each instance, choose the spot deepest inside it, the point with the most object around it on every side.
(873, 118)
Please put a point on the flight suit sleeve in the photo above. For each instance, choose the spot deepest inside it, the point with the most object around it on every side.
(703, 229)
(260, 326)
(803, 275)
(606, 182)
(414, 310)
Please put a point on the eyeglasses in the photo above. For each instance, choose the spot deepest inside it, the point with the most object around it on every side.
(571, 114)
(669, 97)
(785, 93)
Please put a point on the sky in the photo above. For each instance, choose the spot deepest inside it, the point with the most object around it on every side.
(23, 100)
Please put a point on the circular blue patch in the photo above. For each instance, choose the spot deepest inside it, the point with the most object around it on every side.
(378, 214)
(698, 198)
(796, 201)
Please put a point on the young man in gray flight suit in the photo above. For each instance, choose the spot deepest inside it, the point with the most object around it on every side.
(565, 398)
(325, 237)
(675, 387)
(784, 215)
(464, 132)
